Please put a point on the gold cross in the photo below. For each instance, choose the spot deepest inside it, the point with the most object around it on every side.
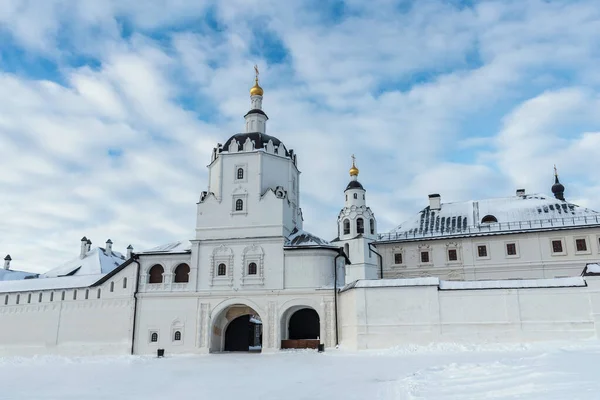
(256, 70)
(353, 159)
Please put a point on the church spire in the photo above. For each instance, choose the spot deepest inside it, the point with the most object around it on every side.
(353, 170)
(558, 189)
(256, 118)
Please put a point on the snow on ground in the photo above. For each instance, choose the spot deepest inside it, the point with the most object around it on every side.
(442, 371)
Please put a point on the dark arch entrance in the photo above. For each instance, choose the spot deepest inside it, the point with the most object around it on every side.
(243, 334)
(304, 324)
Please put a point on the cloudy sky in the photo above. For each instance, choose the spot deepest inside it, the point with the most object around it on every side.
(109, 109)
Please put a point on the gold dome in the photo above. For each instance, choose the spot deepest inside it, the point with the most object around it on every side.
(353, 170)
(256, 90)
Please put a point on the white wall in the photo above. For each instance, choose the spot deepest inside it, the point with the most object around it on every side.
(82, 326)
(380, 317)
(534, 257)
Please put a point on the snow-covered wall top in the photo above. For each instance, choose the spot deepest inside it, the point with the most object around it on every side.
(517, 213)
(183, 246)
(96, 261)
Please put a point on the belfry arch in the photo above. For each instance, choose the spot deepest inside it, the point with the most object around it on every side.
(236, 327)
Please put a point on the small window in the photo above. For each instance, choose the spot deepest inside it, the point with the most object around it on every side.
(511, 249)
(355, 195)
(74, 294)
(397, 258)
(222, 270)
(346, 197)
(154, 337)
(239, 205)
(40, 298)
(87, 294)
(124, 283)
(51, 296)
(489, 219)
(6, 300)
(99, 293)
(182, 273)
(372, 226)
(482, 250)
(112, 287)
(360, 225)
(177, 336)
(19, 298)
(252, 269)
(29, 298)
(62, 296)
(424, 256)
(581, 244)
(452, 255)
(557, 246)
(363, 196)
(346, 227)
(240, 173)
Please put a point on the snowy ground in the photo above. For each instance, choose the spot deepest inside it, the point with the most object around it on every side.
(542, 371)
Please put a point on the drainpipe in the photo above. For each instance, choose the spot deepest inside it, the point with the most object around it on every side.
(337, 340)
(135, 258)
(380, 260)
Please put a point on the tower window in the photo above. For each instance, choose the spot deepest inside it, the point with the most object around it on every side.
(252, 269)
(360, 225)
(239, 205)
(355, 195)
(221, 270)
(240, 173)
(177, 336)
(452, 255)
(154, 337)
(372, 226)
(346, 227)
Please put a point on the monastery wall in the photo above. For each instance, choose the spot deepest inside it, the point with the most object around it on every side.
(427, 310)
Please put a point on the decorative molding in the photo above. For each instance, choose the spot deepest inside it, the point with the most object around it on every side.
(253, 253)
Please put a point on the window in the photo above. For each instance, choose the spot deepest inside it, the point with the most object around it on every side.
(372, 226)
(74, 294)
(581, 244)
(240, 173)
(355, 195)
(221, 269)
(557, 246)
(99, 293)
(51, 296)
(40, 298)
(62, 296)
(239, 205)
(424, 256)
(489, 219)
(6, 300)
(154, 337)
(252, 269)
(29, 298)
(397, 258)
(112, 287)
(124, 283)
(482, 250)
(19, 298)
(360, 225)
(182, 273)
(511, 249)
(452, 255)
(87, 294)
(156, 274)
(346, 227)
(177, 336)
(347, 249)
(346, 197)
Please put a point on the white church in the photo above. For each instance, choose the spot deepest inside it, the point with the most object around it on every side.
(521, 268)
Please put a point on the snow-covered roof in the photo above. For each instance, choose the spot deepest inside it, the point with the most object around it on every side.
(493, 216)
(96, 261)
(301, 238)
(591, 269)
(183, 246)
(369, 283)
(10, 275)
(63, 282)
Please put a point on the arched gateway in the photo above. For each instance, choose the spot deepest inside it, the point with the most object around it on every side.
(237, 327)
(301, 328)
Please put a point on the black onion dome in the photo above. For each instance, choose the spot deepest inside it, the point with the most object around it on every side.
(260, 140)
(354, 185)
(256, 111)
(558, 188)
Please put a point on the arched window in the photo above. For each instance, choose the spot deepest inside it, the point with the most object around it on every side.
(156, 274)
(124, 283)
(239, 205)
(360, 225)
(346, 227)
(112, 287)
(40, 298)
(87, 294)
(252, 269)
(347, 249)
(99, 293)
(177, 336)
(489, 219)
(355, 195)
(221, 270)
(62, 297)
(154, 337)
(240, 173)
(75, 294)
(372, 226)
(182, 273)
(19, 297)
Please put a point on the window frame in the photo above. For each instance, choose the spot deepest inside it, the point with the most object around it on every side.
(346, 224)
(244, 168)
(586, 242)
(151, 334)
(516, 245)
(372, 226)
(219, 274)
(180, 275)
(563, 251)
(162, 274)
(176, 334)
(478, 255)
(398, 253)
(422, 252)
(449, 251)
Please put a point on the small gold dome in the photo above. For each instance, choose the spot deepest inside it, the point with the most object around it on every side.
(256, 89)
(353, 170)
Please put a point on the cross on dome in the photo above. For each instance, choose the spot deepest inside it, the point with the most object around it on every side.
(256, 90)
(353, 170)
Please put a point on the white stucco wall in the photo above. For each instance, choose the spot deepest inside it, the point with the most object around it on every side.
(380, 317)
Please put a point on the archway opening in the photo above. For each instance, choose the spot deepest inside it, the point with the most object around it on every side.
(303, 329)
(237, 328)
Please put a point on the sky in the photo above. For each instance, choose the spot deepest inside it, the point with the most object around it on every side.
(109, 110)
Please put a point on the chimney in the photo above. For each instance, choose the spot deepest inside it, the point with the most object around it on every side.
(520, 192)
(109, 247)
(89, 245)
(7, 260)
(435, 202)
(83, 248)
(129, 251)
